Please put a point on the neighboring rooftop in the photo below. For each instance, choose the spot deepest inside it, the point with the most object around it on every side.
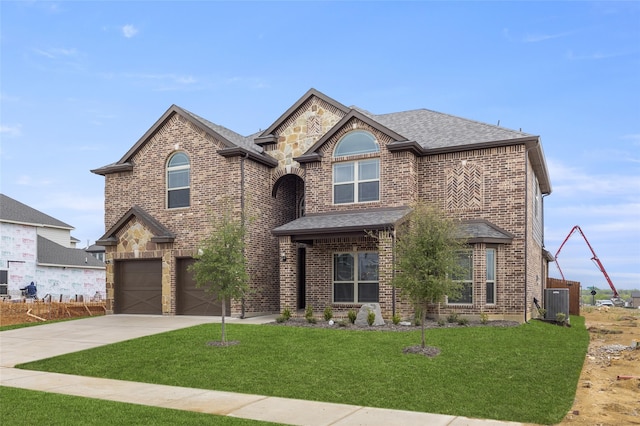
(16, 212)
(50, 253)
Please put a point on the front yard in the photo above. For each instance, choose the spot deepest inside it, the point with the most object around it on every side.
(527, 373)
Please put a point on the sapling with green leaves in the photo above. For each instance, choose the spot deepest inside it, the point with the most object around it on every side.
(220, 266)
(427, 249)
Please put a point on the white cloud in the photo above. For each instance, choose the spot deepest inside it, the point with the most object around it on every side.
(129, 31)
(575, 182)
(11, 131)
(535, 38)
(73, 201)
(26, 180)
(56, 52)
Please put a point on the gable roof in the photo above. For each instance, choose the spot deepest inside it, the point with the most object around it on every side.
(421, 131)
(160, 233)
(235, 144)
(267, 135)
(53, 254)
(14, 211)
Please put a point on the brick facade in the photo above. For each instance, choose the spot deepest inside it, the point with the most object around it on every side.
(274, 183)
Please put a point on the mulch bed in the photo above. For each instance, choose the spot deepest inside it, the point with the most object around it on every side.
(428, 351)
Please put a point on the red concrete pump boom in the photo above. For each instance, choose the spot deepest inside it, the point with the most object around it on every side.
(594, 259)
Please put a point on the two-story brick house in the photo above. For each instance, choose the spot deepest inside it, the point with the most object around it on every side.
(323, 190)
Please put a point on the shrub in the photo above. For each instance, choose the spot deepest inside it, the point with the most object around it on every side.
(352, 315)
(395, 319)
(328, 313)
(281, 319)
(440, 322)
(463, 321)
(484, 318)
(308, 314)
(542, 312)
(311, 320)
(371, 318)
(417, 317)
(560, 317)
(286, 314)
(451, 318)
(342, 323)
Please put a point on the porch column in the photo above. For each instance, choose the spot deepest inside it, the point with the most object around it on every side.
(385, 272)
(287, 256)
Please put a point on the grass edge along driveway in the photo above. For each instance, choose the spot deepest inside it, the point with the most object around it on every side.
(526, 374)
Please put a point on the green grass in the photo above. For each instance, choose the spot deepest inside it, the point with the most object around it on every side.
(27, 407)
(527, 373)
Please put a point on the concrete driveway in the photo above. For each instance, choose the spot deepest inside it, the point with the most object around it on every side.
(48, 340)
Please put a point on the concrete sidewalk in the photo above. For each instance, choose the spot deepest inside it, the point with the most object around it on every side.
(45, 341)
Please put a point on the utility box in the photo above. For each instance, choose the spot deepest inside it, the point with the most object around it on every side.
(556, 300)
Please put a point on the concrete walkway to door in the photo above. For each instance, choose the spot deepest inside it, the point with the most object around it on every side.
(44, 341)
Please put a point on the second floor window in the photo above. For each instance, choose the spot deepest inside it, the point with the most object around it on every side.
(178, 181)
(356, 181)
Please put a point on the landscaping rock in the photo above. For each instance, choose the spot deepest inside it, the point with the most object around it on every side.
(361, 319)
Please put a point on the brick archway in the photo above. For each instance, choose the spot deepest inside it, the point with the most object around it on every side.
(278, 175)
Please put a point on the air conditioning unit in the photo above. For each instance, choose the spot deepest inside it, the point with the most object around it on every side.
(556, 300)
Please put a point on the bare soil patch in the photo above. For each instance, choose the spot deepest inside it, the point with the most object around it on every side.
(21, 312)
(608, 392)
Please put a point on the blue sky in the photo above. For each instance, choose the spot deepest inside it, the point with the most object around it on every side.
(81, 82)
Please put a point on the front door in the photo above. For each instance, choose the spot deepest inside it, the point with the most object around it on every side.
(302, 279)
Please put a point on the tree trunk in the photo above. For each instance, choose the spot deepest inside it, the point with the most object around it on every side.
(224, 309)
(422, 321)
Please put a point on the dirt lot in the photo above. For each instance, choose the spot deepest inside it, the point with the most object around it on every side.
(21, 312)
(602, 398)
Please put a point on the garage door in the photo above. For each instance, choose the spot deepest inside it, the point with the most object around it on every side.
(191, 300)
(138, 287)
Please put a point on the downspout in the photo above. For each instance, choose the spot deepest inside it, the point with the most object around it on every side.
(242, 220)
(543, 276)
(393, 271)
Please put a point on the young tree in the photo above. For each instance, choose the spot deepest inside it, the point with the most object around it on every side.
(220, 265)
(427, 259)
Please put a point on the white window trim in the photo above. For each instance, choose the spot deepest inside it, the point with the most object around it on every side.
(495, 273)
(174, 169)
(355, 181)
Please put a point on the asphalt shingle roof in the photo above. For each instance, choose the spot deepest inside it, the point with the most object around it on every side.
(230, 135)
(54, 254)
(14, 211)
(437, 130)
(482, 230)
(342, 222)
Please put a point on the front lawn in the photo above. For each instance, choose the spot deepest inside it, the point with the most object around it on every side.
(527, 373)
(27, 407)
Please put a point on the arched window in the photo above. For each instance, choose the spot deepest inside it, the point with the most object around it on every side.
(356, 181)
(178, 180)
(357, 142)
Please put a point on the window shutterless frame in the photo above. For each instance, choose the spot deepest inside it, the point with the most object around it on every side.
(465, 260)
(356, 181)
(355, 277)
(491, 276)
(178, 181)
